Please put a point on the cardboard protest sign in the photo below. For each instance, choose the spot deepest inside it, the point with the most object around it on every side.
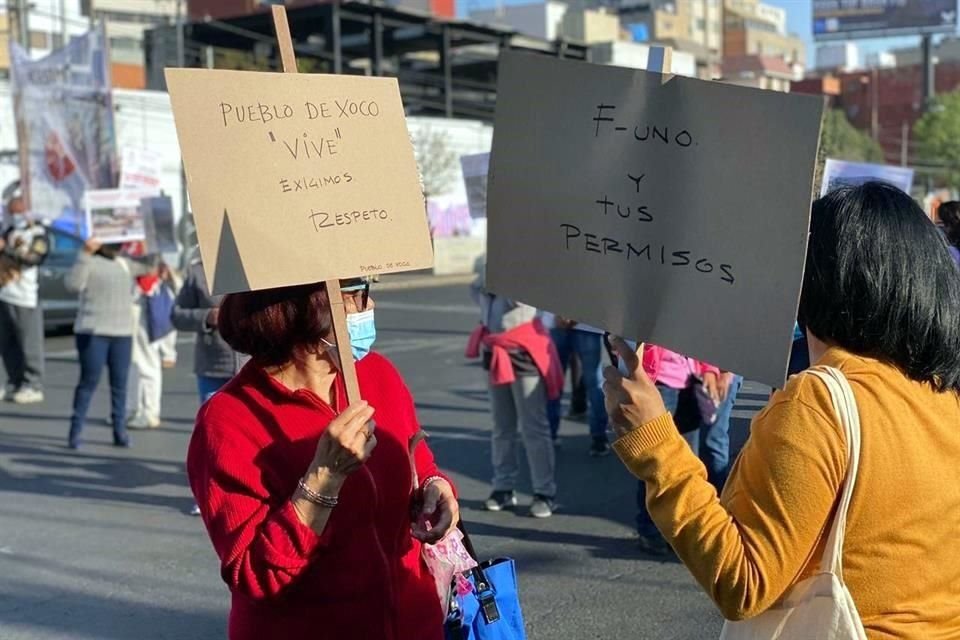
(298, 178)
(673, 211)
(838, 173)
(113, 215)
(140, 169)
(161, 236)
(475, 168)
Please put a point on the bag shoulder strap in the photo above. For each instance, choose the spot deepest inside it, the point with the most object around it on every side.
(845, 405)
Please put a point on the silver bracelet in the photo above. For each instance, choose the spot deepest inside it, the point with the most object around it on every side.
(328, 502)
(429, 481)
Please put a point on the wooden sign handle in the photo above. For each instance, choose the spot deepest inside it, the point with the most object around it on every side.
(337, 311)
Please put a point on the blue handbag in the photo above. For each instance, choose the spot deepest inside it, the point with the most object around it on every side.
(159, 308)
(491, 610)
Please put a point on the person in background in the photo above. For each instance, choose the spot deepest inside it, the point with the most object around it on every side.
(714, 450)
(24, 245)
(881, 303)
(318, 518)
(103, 332)
(676, 378)
(949, 214)
(524, 373)
(146, 379)
(196, 311)
(586, 343)
(578, 390)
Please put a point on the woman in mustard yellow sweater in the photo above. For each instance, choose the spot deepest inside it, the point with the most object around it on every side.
(880, 302)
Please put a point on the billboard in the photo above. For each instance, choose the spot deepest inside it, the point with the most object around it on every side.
(843, 19)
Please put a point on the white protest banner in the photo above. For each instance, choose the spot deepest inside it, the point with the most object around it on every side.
(298, 178)
(664, 209)
(838, 173)
(64, 111)
(114, 215)
(475, 168)
(160, 231)
(140, 169)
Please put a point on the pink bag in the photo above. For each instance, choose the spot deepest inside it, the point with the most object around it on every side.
(447, 559)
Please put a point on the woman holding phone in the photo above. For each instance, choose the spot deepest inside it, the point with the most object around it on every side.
(881, 304)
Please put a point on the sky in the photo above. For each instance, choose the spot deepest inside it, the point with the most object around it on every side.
(799, 22)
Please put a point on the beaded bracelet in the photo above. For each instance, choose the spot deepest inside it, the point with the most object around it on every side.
(328, 502)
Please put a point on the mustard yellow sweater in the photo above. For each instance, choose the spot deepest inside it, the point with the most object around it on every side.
(767, 531)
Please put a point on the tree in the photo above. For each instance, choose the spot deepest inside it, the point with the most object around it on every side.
(840, 140)
(938, 132)
(437, 161)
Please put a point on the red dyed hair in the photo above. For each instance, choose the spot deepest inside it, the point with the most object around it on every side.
(271, 324)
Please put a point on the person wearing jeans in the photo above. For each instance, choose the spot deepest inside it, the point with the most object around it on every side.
(196, 311)
(674, 376)
(587, 343)
(95, 352)
(714, 439)
(104, 332)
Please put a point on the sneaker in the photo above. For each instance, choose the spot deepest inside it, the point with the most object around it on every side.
(140, 421)
(7, 394)
(599, 448)
(654, 546)
(122, 442)
(27, 395)
(500, 500)
(542, 506)
(195, 510)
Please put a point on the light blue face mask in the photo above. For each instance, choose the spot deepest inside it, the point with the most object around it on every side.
(362, 332)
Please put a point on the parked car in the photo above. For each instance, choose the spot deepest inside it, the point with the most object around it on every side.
(59, 305)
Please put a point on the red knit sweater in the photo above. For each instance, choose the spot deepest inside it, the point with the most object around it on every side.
(364, 578)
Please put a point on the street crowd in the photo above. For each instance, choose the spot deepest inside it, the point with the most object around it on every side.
(320, 510)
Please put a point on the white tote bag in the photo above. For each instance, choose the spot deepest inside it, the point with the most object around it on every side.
(820, 607)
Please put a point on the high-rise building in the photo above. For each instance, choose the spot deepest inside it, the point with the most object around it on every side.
(686, 25)
(126, 21)
(553, 20)
(51, 23)
(752, 28)
(838, 56)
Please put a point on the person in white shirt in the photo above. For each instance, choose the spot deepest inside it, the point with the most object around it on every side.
(24, 244)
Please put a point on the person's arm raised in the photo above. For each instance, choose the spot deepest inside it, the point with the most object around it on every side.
(266, 542)
(747, 548)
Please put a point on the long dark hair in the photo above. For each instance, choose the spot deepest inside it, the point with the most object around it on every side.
(949, 213)
(879, 282)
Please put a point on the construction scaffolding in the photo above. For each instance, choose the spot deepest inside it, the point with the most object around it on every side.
(444, 67)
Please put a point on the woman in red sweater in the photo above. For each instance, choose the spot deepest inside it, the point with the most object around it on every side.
(307, 507)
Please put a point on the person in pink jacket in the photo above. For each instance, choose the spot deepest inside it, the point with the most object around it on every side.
(678, 377)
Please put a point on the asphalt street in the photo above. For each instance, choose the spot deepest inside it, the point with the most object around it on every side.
(97, 544)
